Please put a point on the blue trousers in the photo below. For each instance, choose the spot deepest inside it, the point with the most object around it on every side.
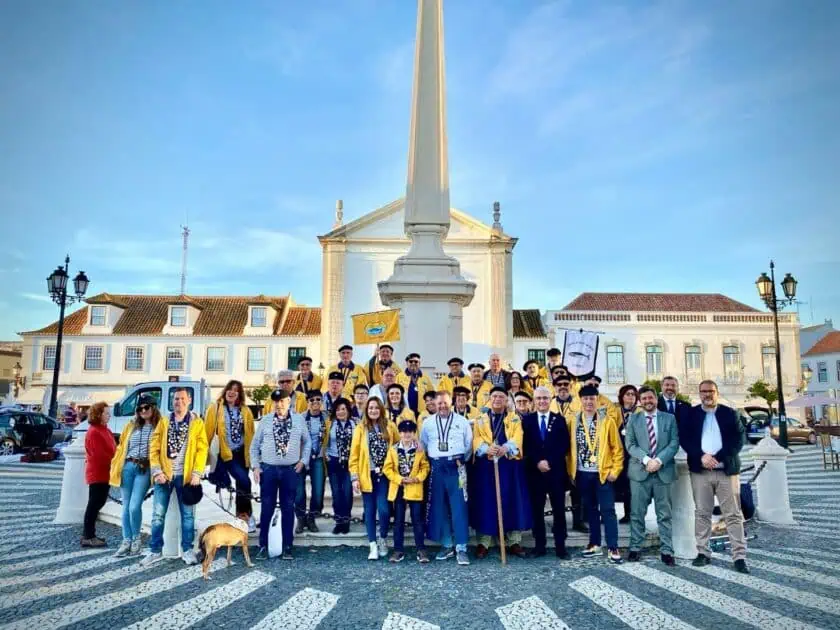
(315, 472)
(133, 488)
(447, 502)
(598, 501)
(417, 521)
(163, 492)
(278, 481)
(377, 502)
(342, 490)
(239, 471)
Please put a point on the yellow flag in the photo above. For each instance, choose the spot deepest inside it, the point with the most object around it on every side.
(376, 327)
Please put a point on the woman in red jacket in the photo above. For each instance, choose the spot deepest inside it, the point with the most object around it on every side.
(99, 450)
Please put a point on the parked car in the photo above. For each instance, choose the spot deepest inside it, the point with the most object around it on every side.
(25, 429)
(758, 419)
(755, 419)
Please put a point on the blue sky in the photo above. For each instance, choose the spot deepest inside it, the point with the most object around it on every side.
(673, 146)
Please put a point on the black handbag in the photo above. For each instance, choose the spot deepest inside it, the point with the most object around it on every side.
(191, 495)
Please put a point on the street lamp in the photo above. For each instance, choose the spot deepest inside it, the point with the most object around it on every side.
(16, 369)
(767, 291)
(57, 288)
(807, 375)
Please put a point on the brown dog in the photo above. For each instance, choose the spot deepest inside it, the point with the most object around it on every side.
(222, 535)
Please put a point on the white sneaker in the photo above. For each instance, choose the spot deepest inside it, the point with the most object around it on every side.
(374, 552)
(151, 559)
(252, 525)
(189, 557)
(124, 549)
(382, 547)
(135, 548)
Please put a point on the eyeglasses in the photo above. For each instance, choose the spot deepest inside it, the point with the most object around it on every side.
(414, 361)
(707, 391)
(285, 382)
(143, 408)
(315, 400)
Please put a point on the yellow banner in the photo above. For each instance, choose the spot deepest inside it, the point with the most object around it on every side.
(376, 327)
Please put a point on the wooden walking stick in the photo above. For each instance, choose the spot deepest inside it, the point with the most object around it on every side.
(499, 510)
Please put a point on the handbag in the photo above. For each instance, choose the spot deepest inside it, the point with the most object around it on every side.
(275, 535)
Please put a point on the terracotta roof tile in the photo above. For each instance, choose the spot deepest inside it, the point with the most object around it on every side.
(147, 315)
(828, 343)
(105, 298)
(669, 302)
(303, 321)
(527, 324)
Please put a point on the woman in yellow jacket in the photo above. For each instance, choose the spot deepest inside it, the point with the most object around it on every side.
(372, 438)
(595, 461)
(130, 471)
(177, 455)
(406, 468)
(397, 409)
(231, 423)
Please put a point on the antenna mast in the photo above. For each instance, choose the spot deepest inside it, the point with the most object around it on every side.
(185, 232)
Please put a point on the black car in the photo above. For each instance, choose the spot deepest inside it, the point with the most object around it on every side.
(26, 429)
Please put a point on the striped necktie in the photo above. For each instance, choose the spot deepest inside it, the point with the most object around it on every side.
(651, 436)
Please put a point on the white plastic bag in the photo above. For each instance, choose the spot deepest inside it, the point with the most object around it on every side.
(275, 535)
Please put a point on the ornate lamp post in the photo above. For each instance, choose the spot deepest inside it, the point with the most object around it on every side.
(807, 375)
(767, 291)
(16, 369)
(57, 287)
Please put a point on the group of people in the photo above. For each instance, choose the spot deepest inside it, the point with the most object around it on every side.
(482, 449)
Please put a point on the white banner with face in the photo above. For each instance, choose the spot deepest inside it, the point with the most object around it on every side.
(580, 351)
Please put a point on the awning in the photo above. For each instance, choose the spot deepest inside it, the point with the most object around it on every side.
(813, 401)
(88, 396)
(31, 396)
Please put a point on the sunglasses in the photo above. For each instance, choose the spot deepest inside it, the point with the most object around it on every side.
(315, 400)
(143, 408)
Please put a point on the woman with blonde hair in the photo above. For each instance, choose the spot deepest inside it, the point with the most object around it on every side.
(130, 471)
(99, 449)
(372, 438)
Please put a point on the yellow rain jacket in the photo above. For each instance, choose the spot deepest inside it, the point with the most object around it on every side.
(118, 461)
(483, 433)
(424, 384)
(359, 463)
(214, 425)
(479, 394)
(195, 458)
(352, 377)
(373, 372)
(608, 449)
(420, 470)
(448, 383)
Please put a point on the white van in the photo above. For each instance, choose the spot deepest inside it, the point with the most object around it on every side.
(163, 391)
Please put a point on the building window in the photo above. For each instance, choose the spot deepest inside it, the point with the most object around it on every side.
(295, 355)
(822, 372)
(537, 354)
(731, 365)
(693, 364)
(256, 360)
(259, 316)
(174, 359)
(215, 359)
(93, 357)
(48, 361)
(654, 361)
(768, 363)
(615, 364)
(134, 358)
(178, 316)
(97, 315)
(838, 371)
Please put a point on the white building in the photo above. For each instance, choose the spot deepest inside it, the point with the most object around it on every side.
(120, 340)
(823, 358)
(689, 336)
(809, 335)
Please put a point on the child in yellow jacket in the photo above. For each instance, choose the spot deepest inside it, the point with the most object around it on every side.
(406, 467)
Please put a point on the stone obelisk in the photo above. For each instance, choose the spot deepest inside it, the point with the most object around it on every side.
(427, 285)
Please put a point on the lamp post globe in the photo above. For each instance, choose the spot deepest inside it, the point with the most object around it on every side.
(764, 286)
(789, 286)
(80, 284)
(807, 373)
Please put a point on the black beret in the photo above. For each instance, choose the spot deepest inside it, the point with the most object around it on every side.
(361, 386)
(498, 388)
(345, 347)
(387, 345)
(407, 425)
(476, 365)
(302, 359)
(554, 352)
(279, 394)
(411, 356)
(461, 390)
(335, 376)
(588, 390)
(594, 378)
(147, 399)
(429, 393)
(457, 360)
(313, 393)
(522, 394)
(529, 362)
(562, 378)
(396, 386)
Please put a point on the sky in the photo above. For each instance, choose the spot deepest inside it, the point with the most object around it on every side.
(634, 146)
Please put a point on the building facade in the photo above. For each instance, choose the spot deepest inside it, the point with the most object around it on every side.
(823, 359)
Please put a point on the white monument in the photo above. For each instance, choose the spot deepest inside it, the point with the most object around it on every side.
(427, 285)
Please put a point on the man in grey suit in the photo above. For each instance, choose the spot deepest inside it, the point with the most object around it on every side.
(652, 441)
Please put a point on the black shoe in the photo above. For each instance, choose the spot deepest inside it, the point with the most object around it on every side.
(311, 525)
(345, 529)
(668, 560)
(561, 553)
(624, 520)
(538, 552)
(701, 560)
(338, 529)
(287, 554)
(262, 554)
(580, 527)
(634, 556)
(741, 566)
(301, 525)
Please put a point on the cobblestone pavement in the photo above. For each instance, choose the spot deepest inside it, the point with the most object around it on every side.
(47, 582)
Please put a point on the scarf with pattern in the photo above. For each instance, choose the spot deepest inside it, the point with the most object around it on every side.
(405, 459)
(176, 435)
(282, 429)
(235, 422)
(377, 447)
(343, 438)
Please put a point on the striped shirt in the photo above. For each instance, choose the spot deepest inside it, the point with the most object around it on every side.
(264, 451)
(138, 443)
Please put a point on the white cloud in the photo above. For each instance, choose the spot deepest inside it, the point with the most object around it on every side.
(37, 297)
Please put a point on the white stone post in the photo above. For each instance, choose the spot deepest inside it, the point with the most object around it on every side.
(682, 511)
(772, 485)
(172, 529)
(74, 491)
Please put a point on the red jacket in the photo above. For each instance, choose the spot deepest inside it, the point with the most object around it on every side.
(99, 450)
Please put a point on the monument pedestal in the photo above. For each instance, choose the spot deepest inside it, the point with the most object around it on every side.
(74, 490)
(682, 511)
(772, 485)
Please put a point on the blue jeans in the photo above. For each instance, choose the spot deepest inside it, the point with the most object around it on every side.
(316, 501)
(598, 500)
(377, 501)
(278, 481)
(342, 490)
(417, 521)
(163, 491)
(239, 471)
(445, 483)
(133, 488)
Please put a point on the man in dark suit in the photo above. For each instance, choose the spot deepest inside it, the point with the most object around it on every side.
(669, 402)
(546, 446)
(712, 436)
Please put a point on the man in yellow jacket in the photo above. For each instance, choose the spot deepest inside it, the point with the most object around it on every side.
(533, 378)
(177, 457)
(305, 380)
(479, 388)
(351, 373)
(381, 362)
(415, 383)
(596, 458)
(456, 376)
(553, 358)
